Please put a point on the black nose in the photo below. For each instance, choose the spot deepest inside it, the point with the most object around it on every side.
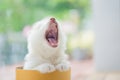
(52, 19)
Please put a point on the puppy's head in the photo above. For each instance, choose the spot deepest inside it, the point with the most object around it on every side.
(46, 35)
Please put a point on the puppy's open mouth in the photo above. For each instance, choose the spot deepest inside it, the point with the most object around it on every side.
(52, 33)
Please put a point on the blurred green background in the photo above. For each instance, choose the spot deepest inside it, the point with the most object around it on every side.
(17, 16)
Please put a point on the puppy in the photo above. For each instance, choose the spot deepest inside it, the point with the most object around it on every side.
(46, 47)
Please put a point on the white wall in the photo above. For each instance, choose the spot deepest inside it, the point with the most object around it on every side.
(106, 18)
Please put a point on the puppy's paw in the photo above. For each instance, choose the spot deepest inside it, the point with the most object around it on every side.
(62, 67)
(46, 68)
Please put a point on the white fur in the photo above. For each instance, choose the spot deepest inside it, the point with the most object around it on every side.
(43, 57)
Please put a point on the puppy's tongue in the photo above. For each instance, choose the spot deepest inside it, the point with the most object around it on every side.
(53, 42)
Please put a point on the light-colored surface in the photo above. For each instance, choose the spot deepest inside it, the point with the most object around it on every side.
(104, 76)
(113, 76)
(81, 70)
(97, 76)
(106, 21)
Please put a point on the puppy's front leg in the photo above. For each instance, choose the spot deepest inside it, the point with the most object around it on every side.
(45, 68)
(63, 66)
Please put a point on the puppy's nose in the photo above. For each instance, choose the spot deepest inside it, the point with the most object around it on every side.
(52, 19)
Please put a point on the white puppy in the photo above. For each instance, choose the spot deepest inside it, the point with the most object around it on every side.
(46, 47)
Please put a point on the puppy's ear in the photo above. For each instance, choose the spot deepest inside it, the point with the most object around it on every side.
(26, 30)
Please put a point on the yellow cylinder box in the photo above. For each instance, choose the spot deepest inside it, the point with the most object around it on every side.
(36, 75)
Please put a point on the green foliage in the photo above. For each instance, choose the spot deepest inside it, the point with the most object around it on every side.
(15, 14)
